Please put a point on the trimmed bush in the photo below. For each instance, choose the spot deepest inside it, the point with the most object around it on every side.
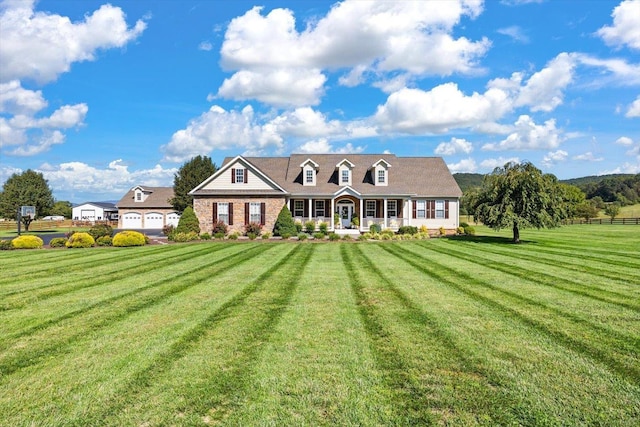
(469, 230)
(218, 236)
(104, 241)
(408, 229)
(219, 227)
(424, 229)
(233, 236)
(254, 228)
(205, 236)
(302, 236)
(252, 236)
(5, 245)
(100, 230)
(266, 235)
(58, 242)
(347, 237)
(310, 227)
(323, 227)
(80, 240)
(182, 237)
(188, 222)
(129, 238)
(375, 228)
(27, 242)
(442, 231)
(460, 230)
(284, 223)
(333, 237)
(318, 236)
(168, 229)
(285, 236)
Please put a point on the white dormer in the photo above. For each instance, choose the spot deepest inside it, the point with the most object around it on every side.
(345, 172)
(380, 173)
(139, 195)
(309, 172)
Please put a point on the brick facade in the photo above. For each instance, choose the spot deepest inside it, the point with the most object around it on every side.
(203, 208)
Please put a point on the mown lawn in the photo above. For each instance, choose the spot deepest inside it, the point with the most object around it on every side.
(445, 331)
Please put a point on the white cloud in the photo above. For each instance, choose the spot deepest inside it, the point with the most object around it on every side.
(14, 99)
(365, 38)
(623, 140)
(443, 108)
(205, 45)
(491, 164)
(465, 165)
(543, 91)
(515, 32)
(41, 46)
(553, 157)
(114, 180)
(626, 26)
(588, 157)
(39, 145)
(620, 72)
(455, 146)
(529, 136)
(626, 167)
(322, 146)
(305, 122)
(634, 108)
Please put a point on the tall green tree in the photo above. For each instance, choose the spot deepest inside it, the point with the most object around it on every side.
(188, 177)
(520, 196)
(28, 188)
(612, 210)
(61, 207)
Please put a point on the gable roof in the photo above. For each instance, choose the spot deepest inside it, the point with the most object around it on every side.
(409, 176)
(158, 197)
(102, 205)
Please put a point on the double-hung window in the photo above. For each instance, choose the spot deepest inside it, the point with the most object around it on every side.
(309, 176)
(421, 208)
(239, 176)
(345, 176)
(319, 208)
(254, 212)
(392, 208)
(223, 212)
(298, 208)
(370, 208)
(382, 176)
(439, 208)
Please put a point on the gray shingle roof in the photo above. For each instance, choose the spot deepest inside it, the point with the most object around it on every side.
(158, 198)
(415, 176)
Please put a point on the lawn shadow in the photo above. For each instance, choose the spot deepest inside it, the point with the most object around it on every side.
(500, 240)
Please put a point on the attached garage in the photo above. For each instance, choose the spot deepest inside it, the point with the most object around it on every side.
(173, 218)
(131, 220)
(153, 220)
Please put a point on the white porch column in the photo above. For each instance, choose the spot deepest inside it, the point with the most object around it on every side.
(333, 211)
(385, 211)
(408, 212)
(310, 209)
(361, 215)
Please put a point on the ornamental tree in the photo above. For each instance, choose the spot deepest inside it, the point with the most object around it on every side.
(188, 177)
(26, 189)
(520, 196)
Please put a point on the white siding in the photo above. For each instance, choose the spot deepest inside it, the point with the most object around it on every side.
(223, 181)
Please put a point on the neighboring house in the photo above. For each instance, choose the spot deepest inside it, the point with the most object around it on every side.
(95, 211)
(147, 208)
(334, 188)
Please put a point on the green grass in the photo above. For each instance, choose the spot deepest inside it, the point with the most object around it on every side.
(459, 331)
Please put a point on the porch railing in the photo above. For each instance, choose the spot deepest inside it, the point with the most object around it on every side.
(392, 223)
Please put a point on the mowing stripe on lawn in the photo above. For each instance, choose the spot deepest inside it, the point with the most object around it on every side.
(98, 277)
(427, 328)
(626, 369)
(568, 262)
(567, 285)
(230, 382)
(30, 356)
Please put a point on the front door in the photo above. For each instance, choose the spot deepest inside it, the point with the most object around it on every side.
(346, 212)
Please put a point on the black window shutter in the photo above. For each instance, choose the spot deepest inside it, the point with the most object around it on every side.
(215, 212)
(263, 213)
(233, 176)
(446, 209)
(414, 208)
(246, 175)
(246, 213)
(230, 213)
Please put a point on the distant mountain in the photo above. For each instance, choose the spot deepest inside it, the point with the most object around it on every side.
(468, 180)
(596, 179)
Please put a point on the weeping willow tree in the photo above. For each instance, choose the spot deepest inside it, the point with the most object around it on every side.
(519, 196)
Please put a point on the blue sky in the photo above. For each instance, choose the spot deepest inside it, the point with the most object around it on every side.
(101, 97)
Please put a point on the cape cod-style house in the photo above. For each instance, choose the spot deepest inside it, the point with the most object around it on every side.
(346, 191)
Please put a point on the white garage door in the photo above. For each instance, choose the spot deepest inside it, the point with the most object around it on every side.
(173, 218)
(88, 214)
(153, 220)
(132, 220)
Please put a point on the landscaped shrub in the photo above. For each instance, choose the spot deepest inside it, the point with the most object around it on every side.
(181, 237)
(303, 236)
(5, 245)
(188, 222)
(101, 230)
(323, 227)
(129, 238)
(424, 229)
(469, 230)
(318, 235)
(423, 236)
(408, 229)
(27, 242)
(464, 224)
(347, 237)
(375, 228)
(460, 230)
(310, 227)
(218, 236)
(104, 241)
(266, 235)
(286, 235)
(254, 228)
(80, 240)
(252, 236)
(299, 226)
(442, 231)
(233, 236)
(205, 236)
(333, 237)
(168, 229)
(219, 227)
(284, 223)
(58, 242)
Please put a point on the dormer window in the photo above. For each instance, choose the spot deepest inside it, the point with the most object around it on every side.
(345, 169)
(344, 179)
(309, 169)
(380, 172)
(138, 196)
(382, 176)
